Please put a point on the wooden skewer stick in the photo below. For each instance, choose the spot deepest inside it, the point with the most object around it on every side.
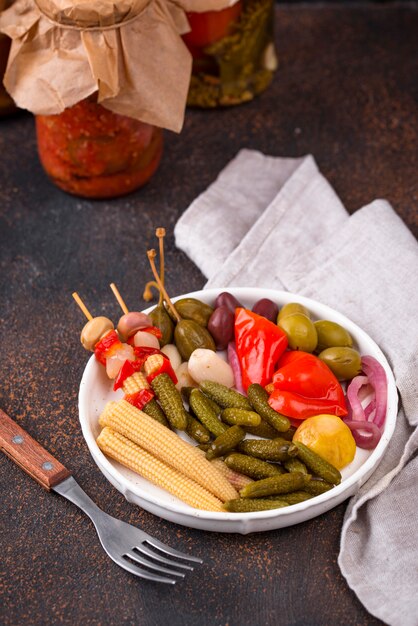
(82, 306)
(119, 298)
(151, 256)
(160, 233)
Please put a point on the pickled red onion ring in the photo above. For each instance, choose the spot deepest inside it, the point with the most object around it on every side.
(357, 411)
(236, 367)
(377, 379)
(370, 409)
(366, 434)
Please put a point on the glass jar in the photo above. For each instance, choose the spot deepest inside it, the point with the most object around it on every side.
(233, 51)
(6, 103)
(90, 151)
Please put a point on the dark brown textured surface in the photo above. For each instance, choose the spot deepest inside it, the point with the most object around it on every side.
(346, 92)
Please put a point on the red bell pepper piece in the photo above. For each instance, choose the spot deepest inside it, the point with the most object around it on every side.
(140, 398)
(305, 386)
(125, 372)
(165, 368)
(107, 346)
(142, 353)
(259, 345)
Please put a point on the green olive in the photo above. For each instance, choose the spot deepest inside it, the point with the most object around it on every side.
(331, 334)
(189, 335)
(193, 309)
(162, 320)
(300, 331)
(344, 362)
(290, 309)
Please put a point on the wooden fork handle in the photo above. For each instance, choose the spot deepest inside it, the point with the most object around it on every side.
(29, 454)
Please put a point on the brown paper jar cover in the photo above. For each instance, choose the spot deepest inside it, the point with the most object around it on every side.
(128, 51)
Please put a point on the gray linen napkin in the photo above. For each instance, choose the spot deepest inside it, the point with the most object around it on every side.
(277, 223)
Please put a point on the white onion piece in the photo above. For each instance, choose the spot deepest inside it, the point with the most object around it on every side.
(205, 364)
(143, 338)
(115, 362)
(377, 378)
(173, 354)
(183, 377)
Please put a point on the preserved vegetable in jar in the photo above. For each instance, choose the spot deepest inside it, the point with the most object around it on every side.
(233, 51)
(90, 151)
(6, 103)
(103, 78)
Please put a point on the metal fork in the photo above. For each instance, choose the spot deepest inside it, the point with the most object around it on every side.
(131, 548)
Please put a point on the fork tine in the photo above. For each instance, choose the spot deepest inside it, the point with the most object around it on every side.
(156, 555)
(158, 568)
(171, 551)
(134, 569)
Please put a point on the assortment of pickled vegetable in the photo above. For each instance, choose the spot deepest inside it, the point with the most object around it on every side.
(276, 398)
(233, 52)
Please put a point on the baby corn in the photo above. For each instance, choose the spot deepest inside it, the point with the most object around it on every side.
(166, 446)
(136, 382)
(139, 460)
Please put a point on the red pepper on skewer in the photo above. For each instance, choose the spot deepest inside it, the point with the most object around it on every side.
(107, 346)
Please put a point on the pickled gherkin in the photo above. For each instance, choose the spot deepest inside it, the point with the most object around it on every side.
(225, 442)
(224, 396)
(295, 465)
(196, 430)
(241, 417)
(295, 497)
(170, 400)
(264, 430)
(258, 398)
(252, 467)
(318, 486)
(269, 449)
(317, 465)
(283, 483)
(249, 505)
(153, 409)
(205, 413)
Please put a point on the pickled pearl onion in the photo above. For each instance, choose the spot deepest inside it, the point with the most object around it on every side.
(370, 435)
(357, 411)
(115, 362)
(236, 367)
(377, 378)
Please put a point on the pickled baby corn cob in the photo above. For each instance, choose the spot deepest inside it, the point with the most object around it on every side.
(237, 480)
(139, 460)
(136, 383)
(166, 446)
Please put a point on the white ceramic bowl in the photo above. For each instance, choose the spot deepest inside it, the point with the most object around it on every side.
(96, 390)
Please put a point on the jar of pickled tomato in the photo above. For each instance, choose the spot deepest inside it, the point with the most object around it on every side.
(234, 56)
(90, 151)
